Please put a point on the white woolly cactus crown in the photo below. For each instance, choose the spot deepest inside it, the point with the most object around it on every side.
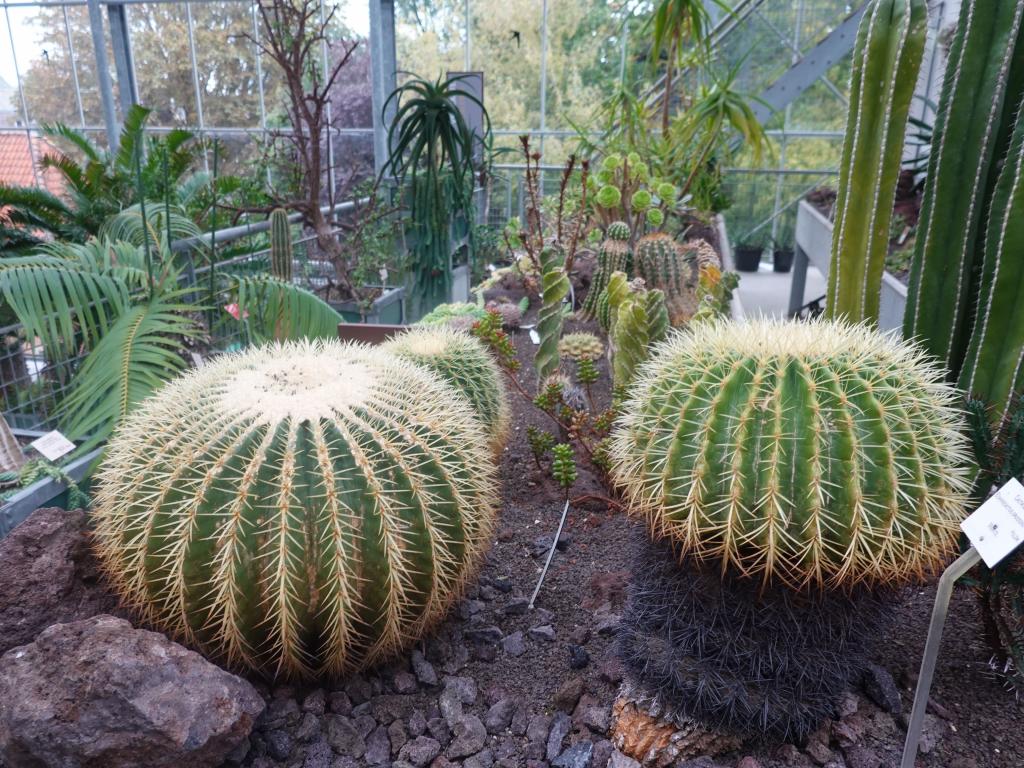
(303, 509)
(814, 452)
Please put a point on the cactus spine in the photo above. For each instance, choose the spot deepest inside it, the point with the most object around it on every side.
(555, 288)
(886, 59)
(464, 362)
(970, 229)
(660, 262)
(302, 509)
(280, 245)
(812, 453)
(612, 256)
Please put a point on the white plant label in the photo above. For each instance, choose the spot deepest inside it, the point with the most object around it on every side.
(534, 337)
(197, 359)
(53, 445)
(996, 528)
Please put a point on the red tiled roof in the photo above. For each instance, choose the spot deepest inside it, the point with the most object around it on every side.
(16, 160)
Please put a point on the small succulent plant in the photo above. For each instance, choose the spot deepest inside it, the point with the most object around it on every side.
(810, 453)
(301, 510)
(464, 362)
(580, 346)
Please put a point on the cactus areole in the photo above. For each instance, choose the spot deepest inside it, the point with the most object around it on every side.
(301, 510)
(814, 453)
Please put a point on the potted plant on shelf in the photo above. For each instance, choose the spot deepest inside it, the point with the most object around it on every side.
(747, 253)
(782, 256)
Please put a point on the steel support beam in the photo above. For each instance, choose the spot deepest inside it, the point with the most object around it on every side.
(103, 81)
(805, 72)
(124, 64)
(383, 74)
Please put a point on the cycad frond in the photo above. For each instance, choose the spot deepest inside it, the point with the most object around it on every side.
(56, 298)
(130, 227)
(280, 310)
(140, 352)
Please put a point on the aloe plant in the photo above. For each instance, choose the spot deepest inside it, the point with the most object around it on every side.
(815, 453)
(300, 510)
(886, 59)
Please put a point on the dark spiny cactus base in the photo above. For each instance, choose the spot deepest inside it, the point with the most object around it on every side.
(765, 665)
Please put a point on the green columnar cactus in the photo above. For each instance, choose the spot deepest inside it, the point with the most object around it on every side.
(464, 362)
(641, 320)
(611, 297)
(994, 368)
(810, 453)
(555, 288)
(886, 58)
(613, 255)
(661, 263)
(301, 510)
(280, 245)
(977, 109)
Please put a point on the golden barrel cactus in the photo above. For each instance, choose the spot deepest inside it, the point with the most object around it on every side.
(301, 510)
(465, 363)
(810, 453)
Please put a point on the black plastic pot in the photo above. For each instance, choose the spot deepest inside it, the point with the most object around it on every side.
(748, 257)
(782, 259)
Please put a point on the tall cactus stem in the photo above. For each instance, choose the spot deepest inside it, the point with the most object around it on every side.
(555, 288)
(280, 245)
(886, 60)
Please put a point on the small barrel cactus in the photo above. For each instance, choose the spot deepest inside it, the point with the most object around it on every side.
(465, 363)
(580, 346)
(617, 230)
(280, 245)
(812, 453)
(301, 510)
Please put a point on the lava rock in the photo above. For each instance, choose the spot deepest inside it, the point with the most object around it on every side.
(398, 735)
(499, 716)
(542, 544)
(514, 645)
(423, 669)
(569, 694)
(405, 682)
(468, 737)
(545, 633)
(100, 692)
(378, 747)
(420, 751)
(578, 657)
(560, 727)
(315, 702)
(881, 689)
(576, 756)
(47, 576)
(279, 744)
(619, 760)
(517, 606)
(485, 634)
(343, 736)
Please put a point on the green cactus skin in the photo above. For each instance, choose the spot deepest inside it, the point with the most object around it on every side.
(464, 362)
(618, 230)
(661, 263)
(613, 255)
(978, 103)
(641, 319)
(301, 510)
(280, 245)
(813, 453)
(580, 346)
(886, 59)
(611, 297)
(993, 369)
(554, 290)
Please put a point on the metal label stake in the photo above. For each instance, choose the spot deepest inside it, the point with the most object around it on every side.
(551, 553)
(995, 530)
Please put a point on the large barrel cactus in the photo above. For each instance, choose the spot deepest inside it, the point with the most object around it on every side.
(467, 365)
(812, 453)
(300, 510)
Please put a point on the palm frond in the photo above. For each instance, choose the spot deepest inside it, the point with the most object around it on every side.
(61, 300)
(128, 225)
(280, 310)
(138, 354)
(123, 261)
(77, 138)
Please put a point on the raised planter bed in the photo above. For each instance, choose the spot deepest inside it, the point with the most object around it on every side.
(43, 493)
(388, 308)
(814, 246)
